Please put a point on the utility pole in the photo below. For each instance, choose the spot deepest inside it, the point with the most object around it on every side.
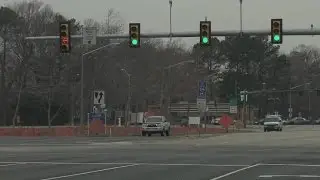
(241, 17)
(170, 6)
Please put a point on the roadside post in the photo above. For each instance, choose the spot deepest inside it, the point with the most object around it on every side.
(243, 99)
(202, 99)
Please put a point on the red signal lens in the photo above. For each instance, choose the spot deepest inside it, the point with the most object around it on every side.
(64, 40)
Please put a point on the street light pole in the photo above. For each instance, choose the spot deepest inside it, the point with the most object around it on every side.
(170, 5)
(290, 102)
(82, 78)
(309, 101)
(163, 84)
(241, 17)
(290, 95)
(129, 93)
(309, 104)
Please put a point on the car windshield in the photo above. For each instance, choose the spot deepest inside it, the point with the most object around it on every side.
(153, 119)
(273, 119)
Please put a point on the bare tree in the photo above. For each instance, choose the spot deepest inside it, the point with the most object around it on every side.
(8, 23)
(31, 62)
(113, 23)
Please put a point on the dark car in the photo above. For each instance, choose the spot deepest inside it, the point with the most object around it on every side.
(260, 122)
(184, 121)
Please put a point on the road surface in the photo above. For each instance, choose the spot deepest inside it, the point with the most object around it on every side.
(288, 155)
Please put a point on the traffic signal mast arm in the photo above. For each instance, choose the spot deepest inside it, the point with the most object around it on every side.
(279, 91)
(291, 32)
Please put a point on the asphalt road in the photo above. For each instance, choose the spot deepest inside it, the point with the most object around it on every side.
(288, 155)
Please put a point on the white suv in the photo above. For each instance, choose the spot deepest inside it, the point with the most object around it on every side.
(273, 123)
(154, 125)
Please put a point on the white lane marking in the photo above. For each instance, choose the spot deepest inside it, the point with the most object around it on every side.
(89, 172)
(262, 150)
(234, 172)
(300, 176)
(128, 163)
(4, 165)
(112, 143)
(185, 164)
(297, 165)
(46, 144)
(70, 144)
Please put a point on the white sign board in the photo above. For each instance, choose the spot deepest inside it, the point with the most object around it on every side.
(194, 120)
(233, 109)
(89, 36)
(98, 97)
(94, 109)
(201, 104)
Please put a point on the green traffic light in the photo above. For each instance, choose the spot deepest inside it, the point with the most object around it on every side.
(134, 42)
(276, 38)
(205, 40)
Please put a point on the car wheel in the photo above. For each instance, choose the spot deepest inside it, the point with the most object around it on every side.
(143, 133)
(168, 133)
(280, 129)
(162, 133)
(149, 134)
(265, 130)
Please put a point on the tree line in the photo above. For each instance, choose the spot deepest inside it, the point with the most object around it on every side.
(42, 87)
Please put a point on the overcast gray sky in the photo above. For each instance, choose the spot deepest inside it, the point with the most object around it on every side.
(224, 14)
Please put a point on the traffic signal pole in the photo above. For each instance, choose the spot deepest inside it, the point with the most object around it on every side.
(288, 32)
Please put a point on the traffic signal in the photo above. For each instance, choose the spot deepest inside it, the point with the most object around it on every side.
(205, 33)
(134, 35)
(65, 37)
(276, 31)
